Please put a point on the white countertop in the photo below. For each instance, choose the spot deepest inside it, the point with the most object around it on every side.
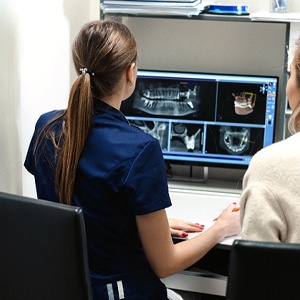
(201, 204)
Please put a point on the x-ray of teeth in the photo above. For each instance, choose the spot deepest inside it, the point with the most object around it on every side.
(179, 100)
(244, 103)
(158, 130)
(235, 140)
(182, 139)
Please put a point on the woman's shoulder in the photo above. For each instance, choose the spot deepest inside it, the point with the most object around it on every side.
(278, 153)
(286, 146)
(141, 133)
(140, 140)
(272, 164)
(48, 116)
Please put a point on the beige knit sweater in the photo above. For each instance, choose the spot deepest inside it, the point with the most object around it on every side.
(270, 202)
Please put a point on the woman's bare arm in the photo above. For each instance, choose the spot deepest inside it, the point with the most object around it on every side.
(167, 258)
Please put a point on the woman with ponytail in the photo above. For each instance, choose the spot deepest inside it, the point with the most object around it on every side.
(89, 156)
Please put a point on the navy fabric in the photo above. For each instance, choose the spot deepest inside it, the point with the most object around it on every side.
(121, 173)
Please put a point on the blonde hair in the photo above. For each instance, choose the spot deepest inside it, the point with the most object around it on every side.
(101, 52)
(294, 121)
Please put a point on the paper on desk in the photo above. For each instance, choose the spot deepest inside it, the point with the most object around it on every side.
(278, 17)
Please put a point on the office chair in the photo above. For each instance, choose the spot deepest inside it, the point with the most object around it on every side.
(263, 270)
(43, 253)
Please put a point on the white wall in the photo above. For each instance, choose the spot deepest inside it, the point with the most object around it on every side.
(36, 73)
(9, 99)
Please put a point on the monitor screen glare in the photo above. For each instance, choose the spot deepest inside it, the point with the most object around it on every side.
(205, 119)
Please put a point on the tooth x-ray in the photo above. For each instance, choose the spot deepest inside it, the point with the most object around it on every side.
(185, 137)
(205, 118)
(166, 98)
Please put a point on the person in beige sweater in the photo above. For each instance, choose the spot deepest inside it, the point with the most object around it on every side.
(270, 201)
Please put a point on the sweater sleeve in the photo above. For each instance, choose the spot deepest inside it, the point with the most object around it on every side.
(262, 217)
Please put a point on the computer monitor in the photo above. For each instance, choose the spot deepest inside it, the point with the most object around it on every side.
(205, 119)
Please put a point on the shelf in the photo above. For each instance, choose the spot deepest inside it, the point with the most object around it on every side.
(202, 16)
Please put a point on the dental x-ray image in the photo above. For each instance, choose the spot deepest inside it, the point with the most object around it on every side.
(185, 137)
(166, 98)
(172, 99)
(175, 100)
(234, 140)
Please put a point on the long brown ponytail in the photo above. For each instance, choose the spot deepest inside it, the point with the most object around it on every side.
(101, 52)
(76, 127)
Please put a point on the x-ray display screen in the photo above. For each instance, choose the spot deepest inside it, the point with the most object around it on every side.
(205, 119)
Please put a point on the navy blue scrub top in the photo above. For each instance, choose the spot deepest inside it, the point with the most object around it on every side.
(121, 173)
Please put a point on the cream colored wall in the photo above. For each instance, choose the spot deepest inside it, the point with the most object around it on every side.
(36, 73)
(9, 99)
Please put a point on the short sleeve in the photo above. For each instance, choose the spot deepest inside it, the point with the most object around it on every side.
(30, 160)
(146, 183)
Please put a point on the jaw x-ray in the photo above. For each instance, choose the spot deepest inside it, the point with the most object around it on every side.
(168, 98)
(235, 140)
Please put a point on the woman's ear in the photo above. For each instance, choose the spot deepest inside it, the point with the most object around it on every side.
(130, 74)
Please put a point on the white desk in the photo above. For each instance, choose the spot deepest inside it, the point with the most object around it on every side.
(202, 206)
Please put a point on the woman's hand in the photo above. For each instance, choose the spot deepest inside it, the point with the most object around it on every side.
(229, 220)
(180, 228)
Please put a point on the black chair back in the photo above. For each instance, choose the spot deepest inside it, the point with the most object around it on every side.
(263, 270)
(43, 252)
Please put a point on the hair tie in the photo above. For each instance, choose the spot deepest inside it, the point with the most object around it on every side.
(87, 70)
